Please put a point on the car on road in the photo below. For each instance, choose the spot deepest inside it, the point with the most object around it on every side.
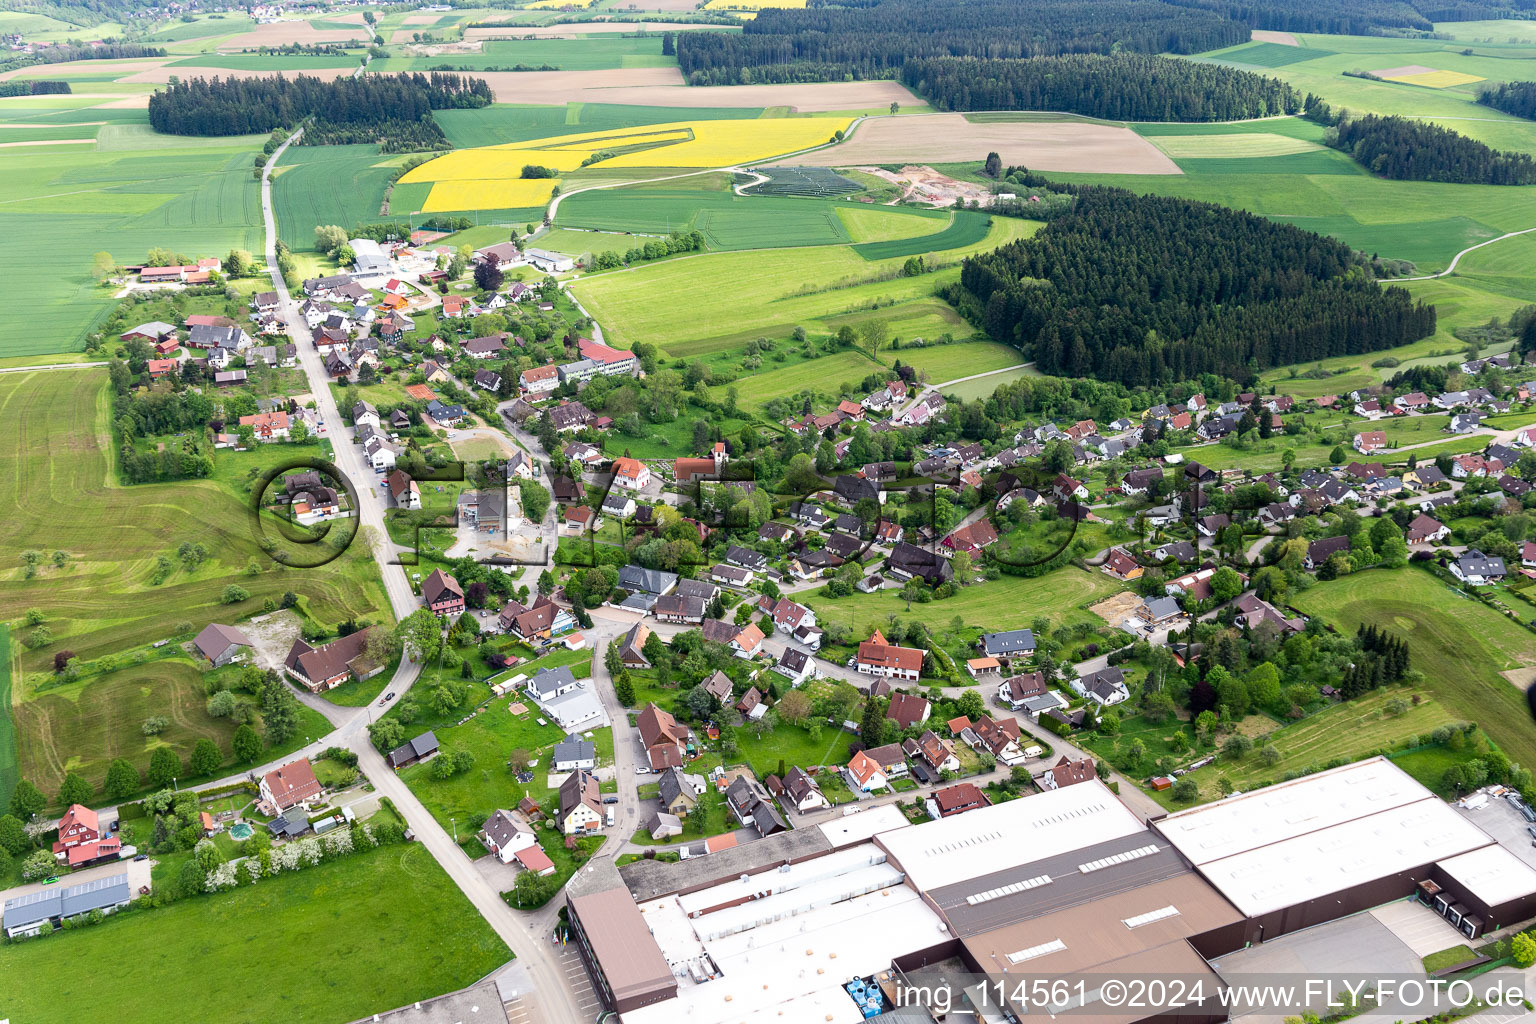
(641, 769)
(611, 798)
(386, 698)
(50, 881)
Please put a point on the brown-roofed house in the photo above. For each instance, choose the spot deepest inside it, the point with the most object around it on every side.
(1067, 772)
(959, 798)
(665, 740)
(292, 784)
(908, 710)
(320, 668)
(442, 594)
(221, 644)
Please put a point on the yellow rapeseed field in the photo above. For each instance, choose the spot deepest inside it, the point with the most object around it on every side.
(477, 164)
(489, 178)
(491, 194)
(1437, 79)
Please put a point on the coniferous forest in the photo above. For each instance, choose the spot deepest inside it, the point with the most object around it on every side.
(344, 110)
(1151, 289)
(1517, 98)
(1125, 86)
(873, 39)
(1409, 150)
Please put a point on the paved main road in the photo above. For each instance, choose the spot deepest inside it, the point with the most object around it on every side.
(537, 955)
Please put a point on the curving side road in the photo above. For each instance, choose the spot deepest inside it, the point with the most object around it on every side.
(526, 935)
(1451, 269)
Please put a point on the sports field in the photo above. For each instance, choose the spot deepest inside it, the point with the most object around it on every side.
(1460, 645)
(230, 937)
(55, 473)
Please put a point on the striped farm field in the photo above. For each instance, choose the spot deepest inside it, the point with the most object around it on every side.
(60, 495)
(1239, 144)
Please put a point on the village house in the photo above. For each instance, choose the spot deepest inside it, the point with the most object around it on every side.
(292, 784)
(878, 658)
(1067, 772)
(81, 840)
(863, 775)
(664, 739)
(956, 799)
(442, 594)
(581, 804)
(320, 668)
(222, 644)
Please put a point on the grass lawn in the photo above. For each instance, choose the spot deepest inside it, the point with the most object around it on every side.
(56, 471)
(425, 922)
(791, 745)
(962, 359)
(81, 727)
(467, 799)
(1428, 766)
(1460, 645)
(1010, 602)
(9, 772)
(1448, 958)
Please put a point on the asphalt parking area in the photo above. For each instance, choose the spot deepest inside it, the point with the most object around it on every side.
(581, 985)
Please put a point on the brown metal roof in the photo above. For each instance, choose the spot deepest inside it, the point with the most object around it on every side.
(631, 960)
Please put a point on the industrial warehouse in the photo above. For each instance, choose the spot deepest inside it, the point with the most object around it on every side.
(827, 923)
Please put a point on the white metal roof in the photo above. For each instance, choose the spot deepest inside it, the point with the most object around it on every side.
(858, 828)
(1343, 855)
(1280, 812)
(966, 845)
(1492, 874)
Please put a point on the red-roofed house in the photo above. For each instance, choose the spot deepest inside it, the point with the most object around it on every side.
(878, 658)
(908, 710)
(160, 367)
(863, 775)
(957, 799)
(1067, 772)
(442, 594)
(80, 839)
(665, 741)
(294, 783)
(972, 538)
(534, 859)
(268, 426)
(630, 473)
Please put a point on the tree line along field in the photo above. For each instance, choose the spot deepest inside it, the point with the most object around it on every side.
(60, 495)
(1460, 645)
(231, 938)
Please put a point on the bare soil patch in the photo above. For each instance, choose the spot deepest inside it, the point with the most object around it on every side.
(1283, 38)
(272, 636)
(947, 138)
(581, 28)
(1521, 677)
(1116, 609)
(925, 185)
(663, 87)
(283, 32)
(421, 19)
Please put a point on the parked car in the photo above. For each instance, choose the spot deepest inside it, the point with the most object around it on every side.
(641, 769)
(611, 798)
(386, 698)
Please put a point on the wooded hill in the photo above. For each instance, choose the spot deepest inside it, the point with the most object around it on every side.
(246, 106)
(1151, 289)
(1518, 98)
(1410, 150)
(1125, 86)
(873, 39)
